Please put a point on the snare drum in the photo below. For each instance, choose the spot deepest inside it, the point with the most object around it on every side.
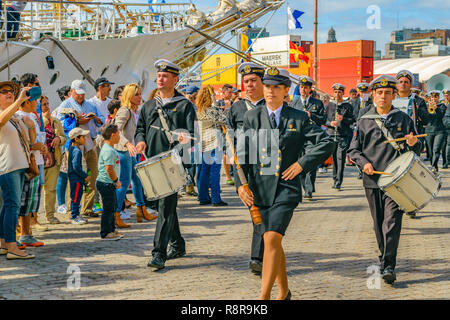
(412, 185)
(162, 175)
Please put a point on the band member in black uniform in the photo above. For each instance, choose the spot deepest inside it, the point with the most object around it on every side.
(274, 179)
(435, 128)
(446, 102)
(363, 101)
(314, 108)
(369, 150)
(339, 121)
(252, 75)
(179, 113)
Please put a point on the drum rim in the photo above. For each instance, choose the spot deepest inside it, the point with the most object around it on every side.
(413, 160)
(433, 196)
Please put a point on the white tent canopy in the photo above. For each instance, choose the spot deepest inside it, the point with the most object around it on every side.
(425, 67)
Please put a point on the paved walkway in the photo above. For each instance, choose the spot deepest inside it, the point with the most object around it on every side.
(329, 245)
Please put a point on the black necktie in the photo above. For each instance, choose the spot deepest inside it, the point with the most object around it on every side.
(273, 123)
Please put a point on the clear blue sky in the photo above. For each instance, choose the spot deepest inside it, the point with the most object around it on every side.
(348, 17)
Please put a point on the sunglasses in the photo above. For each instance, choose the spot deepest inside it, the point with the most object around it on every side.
(37, 84)
(6, 91)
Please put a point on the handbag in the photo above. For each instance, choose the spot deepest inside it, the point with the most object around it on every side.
(33, 170)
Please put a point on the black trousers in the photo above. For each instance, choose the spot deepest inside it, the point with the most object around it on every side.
(308, 181)
(447, 152)
(339, 154)
(108, 193)
(257, 251)
(435, 143)
(387, 223)
(167, 228)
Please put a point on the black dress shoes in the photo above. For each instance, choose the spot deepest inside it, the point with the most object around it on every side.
(173, 254)
(255, 266)
(204, 202)
(389, 275)
(308, 196)
(157, 262)
(220, 204)
(288, 297)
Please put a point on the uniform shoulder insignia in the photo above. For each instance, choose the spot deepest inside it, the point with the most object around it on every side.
(399, 129)
(174, 109)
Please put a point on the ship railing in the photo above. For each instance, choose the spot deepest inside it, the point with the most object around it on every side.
(78, 20)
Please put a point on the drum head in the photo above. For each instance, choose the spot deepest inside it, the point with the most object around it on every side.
(398, 168)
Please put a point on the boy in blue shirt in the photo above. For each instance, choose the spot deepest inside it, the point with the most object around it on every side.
(77, 177)
(108, 181)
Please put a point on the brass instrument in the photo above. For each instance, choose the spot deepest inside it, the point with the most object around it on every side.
(432, 107)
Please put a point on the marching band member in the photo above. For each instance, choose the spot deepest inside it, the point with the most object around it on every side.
(339, 119)
(363, 101)
(314, 108)
(179, 113)
(446, 102)
(369, 150)
(435, 129)
(252, 75)
(274, 180)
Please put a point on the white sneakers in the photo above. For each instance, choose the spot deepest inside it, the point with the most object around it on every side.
(152, 212)
(125, 215)
(62, 209)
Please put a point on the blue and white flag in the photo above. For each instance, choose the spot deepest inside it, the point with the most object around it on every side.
(157, 9)
(293, 17)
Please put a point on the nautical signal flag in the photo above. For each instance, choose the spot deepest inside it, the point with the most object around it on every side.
(297, 54)
(246, 42)
(293, 16)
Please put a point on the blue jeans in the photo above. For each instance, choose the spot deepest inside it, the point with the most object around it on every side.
(11, 185)
(208, 174)
(127, 174)
(61, 187)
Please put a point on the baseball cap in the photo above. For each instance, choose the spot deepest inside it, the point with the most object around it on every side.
(76, 132)
(79, 86)
(101, 81)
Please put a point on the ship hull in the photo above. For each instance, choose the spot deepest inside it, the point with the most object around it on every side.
(122, 61)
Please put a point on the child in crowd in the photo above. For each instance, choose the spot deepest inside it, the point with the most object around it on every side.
(113, 106)
(108, 181)
(77, 177)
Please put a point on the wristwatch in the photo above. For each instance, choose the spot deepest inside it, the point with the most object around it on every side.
(117, 179)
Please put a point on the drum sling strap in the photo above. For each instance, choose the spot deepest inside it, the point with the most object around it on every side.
(383, 129)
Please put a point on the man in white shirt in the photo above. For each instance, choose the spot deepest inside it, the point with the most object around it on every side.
(101, 99)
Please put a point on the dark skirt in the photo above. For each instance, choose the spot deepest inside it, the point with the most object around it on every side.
(278, 216)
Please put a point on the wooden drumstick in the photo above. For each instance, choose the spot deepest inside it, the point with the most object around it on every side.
(381, 172)
(404, 138)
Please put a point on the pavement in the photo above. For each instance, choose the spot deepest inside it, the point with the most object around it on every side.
(330, 246)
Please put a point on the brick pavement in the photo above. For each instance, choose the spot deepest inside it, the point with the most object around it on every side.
(329, 245)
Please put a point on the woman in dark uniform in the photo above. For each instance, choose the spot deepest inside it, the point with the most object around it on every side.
(277, 134)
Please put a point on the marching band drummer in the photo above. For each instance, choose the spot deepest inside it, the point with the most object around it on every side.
(252, 75)
(369, 151)
(314, 108)
(435, 129)
(179, 113)
(274, 179)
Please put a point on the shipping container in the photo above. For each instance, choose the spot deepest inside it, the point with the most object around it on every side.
(345, 67)
(325, 83)
(210, 69)
(346, 49)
